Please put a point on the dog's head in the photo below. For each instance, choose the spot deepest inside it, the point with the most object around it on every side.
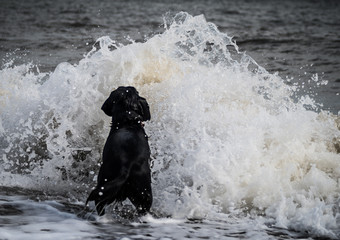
(125, 104)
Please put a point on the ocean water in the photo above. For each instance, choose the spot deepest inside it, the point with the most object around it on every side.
(244, 100)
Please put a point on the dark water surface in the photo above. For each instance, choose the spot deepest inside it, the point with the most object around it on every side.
(33, 215)
(295, 38)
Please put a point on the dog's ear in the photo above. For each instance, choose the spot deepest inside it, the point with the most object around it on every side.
(109, 105)
(144, 109)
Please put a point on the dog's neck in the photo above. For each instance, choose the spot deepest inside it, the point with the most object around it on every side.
(128, 119)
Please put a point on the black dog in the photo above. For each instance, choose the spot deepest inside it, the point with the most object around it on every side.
(125, 172)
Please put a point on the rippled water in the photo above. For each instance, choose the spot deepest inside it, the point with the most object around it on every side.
(238, 150)
(33, 215)
(295, 38)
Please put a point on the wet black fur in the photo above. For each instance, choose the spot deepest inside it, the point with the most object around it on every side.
(125, 171)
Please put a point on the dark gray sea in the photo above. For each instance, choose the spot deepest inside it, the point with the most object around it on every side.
(245, 129)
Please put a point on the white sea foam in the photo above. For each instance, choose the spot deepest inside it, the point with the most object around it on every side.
(227, 138)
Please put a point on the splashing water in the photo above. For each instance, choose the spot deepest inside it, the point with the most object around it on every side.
(227, 138)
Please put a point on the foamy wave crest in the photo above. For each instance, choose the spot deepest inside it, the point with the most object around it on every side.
(227, 138)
